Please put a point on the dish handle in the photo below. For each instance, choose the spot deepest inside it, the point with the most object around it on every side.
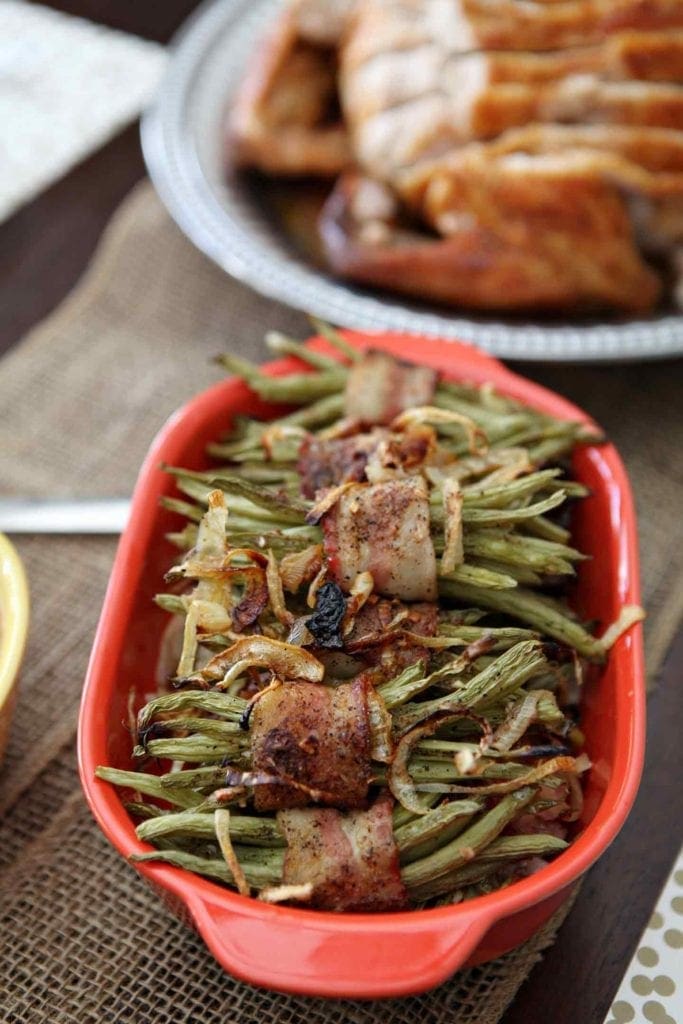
(349, 957)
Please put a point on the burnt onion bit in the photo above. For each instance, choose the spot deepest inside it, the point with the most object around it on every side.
(245, 716)
(557, 652)
(325, 623)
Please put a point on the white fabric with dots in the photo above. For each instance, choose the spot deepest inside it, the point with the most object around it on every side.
(652, 989)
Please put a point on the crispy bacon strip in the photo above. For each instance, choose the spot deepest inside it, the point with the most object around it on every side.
(325, 463)
(379, 633)
(377, 455)
(318, 735)
(350, 859)
(378, 388)
(383, 529)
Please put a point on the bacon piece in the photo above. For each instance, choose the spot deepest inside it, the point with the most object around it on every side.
(379, 615)
(326, 463)
(378, 633)
(315, 735)
(383, 529)
(378, 388)
(351, 859)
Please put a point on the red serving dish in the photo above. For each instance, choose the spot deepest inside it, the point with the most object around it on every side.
(363, 955)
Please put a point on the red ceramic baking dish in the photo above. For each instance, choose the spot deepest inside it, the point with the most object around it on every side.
(363, 955)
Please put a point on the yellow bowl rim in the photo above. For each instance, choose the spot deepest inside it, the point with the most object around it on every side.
(14, 613)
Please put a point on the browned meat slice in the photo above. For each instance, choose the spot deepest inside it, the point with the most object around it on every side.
(631, 55)
(477, 95)
(645, 165)
(378, 388)
(383, 529)
(283, 120)
(379, 633)
(653, 200)
(529, 233)
(469, 104)
(351, 860)
(462, 26)
(325, 463)
(653, 149)
(314, 735)
(652, 56)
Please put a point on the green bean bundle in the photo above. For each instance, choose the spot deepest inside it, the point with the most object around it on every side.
(446, 666)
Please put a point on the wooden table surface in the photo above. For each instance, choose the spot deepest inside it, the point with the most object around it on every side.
(44, 249)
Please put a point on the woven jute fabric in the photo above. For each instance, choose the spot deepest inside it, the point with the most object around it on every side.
(81, 937)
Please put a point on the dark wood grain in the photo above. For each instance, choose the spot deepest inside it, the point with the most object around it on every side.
(152, 19)
(44, 249)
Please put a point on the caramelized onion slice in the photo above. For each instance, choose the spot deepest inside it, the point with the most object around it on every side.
(382, 748)
(454, 553)
(557, 765)
(276, 593)
(517, 721)
(300, 567)
(285, 660)
(361, 590)
(286, 893)
(628, 616)
(433, 415)
(221, 819)
(327, 501)
(399, 779)
(238, 780)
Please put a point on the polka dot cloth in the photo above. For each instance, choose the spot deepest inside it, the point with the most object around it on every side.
(652, 989)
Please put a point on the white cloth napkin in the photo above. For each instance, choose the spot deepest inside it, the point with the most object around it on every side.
(66, 87)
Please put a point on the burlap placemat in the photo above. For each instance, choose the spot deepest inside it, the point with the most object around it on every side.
(82, 939)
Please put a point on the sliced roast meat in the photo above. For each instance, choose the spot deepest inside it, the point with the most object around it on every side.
(315, 739)
(350, 859)
(421, 77)
(383, 529)
(549, 231)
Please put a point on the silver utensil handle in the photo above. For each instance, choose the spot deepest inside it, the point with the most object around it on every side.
(34, 515)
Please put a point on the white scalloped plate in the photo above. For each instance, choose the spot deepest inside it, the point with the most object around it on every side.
(182, 142)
